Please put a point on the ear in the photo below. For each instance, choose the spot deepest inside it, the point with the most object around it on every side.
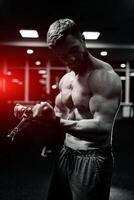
(83, 37)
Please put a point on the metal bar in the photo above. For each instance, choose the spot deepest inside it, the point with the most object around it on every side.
(88, 44)
(48, 78)
(26, 79)
(127, 83)
(4, 79)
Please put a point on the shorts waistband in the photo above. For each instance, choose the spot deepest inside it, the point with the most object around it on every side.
(93, 151)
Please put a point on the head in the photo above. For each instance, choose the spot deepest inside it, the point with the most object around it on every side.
(67, 42)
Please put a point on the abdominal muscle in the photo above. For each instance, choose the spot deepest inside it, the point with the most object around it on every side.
(76, 143)
(79, 144)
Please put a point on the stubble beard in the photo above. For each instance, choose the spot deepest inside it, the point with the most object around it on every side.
(82, 66)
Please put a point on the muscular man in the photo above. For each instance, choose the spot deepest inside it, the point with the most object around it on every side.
(86, 107)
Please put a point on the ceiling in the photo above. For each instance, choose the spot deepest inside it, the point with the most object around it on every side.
(113, 18)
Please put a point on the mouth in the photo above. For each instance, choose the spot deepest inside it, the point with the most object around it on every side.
(74, 65)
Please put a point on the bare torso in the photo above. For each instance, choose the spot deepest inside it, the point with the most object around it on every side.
(76, 93)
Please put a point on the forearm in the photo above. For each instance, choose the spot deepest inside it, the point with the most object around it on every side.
(79, 125)
(87, 128)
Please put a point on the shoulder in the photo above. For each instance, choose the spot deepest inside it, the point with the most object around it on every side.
(106, 81)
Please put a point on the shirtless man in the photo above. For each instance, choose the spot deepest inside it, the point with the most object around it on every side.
(86, 108)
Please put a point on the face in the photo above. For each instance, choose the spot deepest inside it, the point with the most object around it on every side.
(72, 52)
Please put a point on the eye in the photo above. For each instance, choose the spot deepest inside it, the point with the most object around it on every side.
(74, 50)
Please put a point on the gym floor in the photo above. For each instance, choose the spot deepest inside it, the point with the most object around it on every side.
(123, 181)
(24, 175)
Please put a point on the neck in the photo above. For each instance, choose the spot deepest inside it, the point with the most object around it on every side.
(86, 67)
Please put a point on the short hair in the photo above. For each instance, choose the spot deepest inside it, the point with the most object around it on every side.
(59, 29)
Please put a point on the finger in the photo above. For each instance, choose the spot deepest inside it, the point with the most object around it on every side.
(36, 110)
(28, 112)
(46, 108)
(48, 105)
(43, 103)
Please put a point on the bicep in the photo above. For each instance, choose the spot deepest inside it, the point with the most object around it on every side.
(103, 108)
(106, 96)
(60, 108)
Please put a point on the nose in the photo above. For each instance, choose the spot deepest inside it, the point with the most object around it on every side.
(67, 59)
